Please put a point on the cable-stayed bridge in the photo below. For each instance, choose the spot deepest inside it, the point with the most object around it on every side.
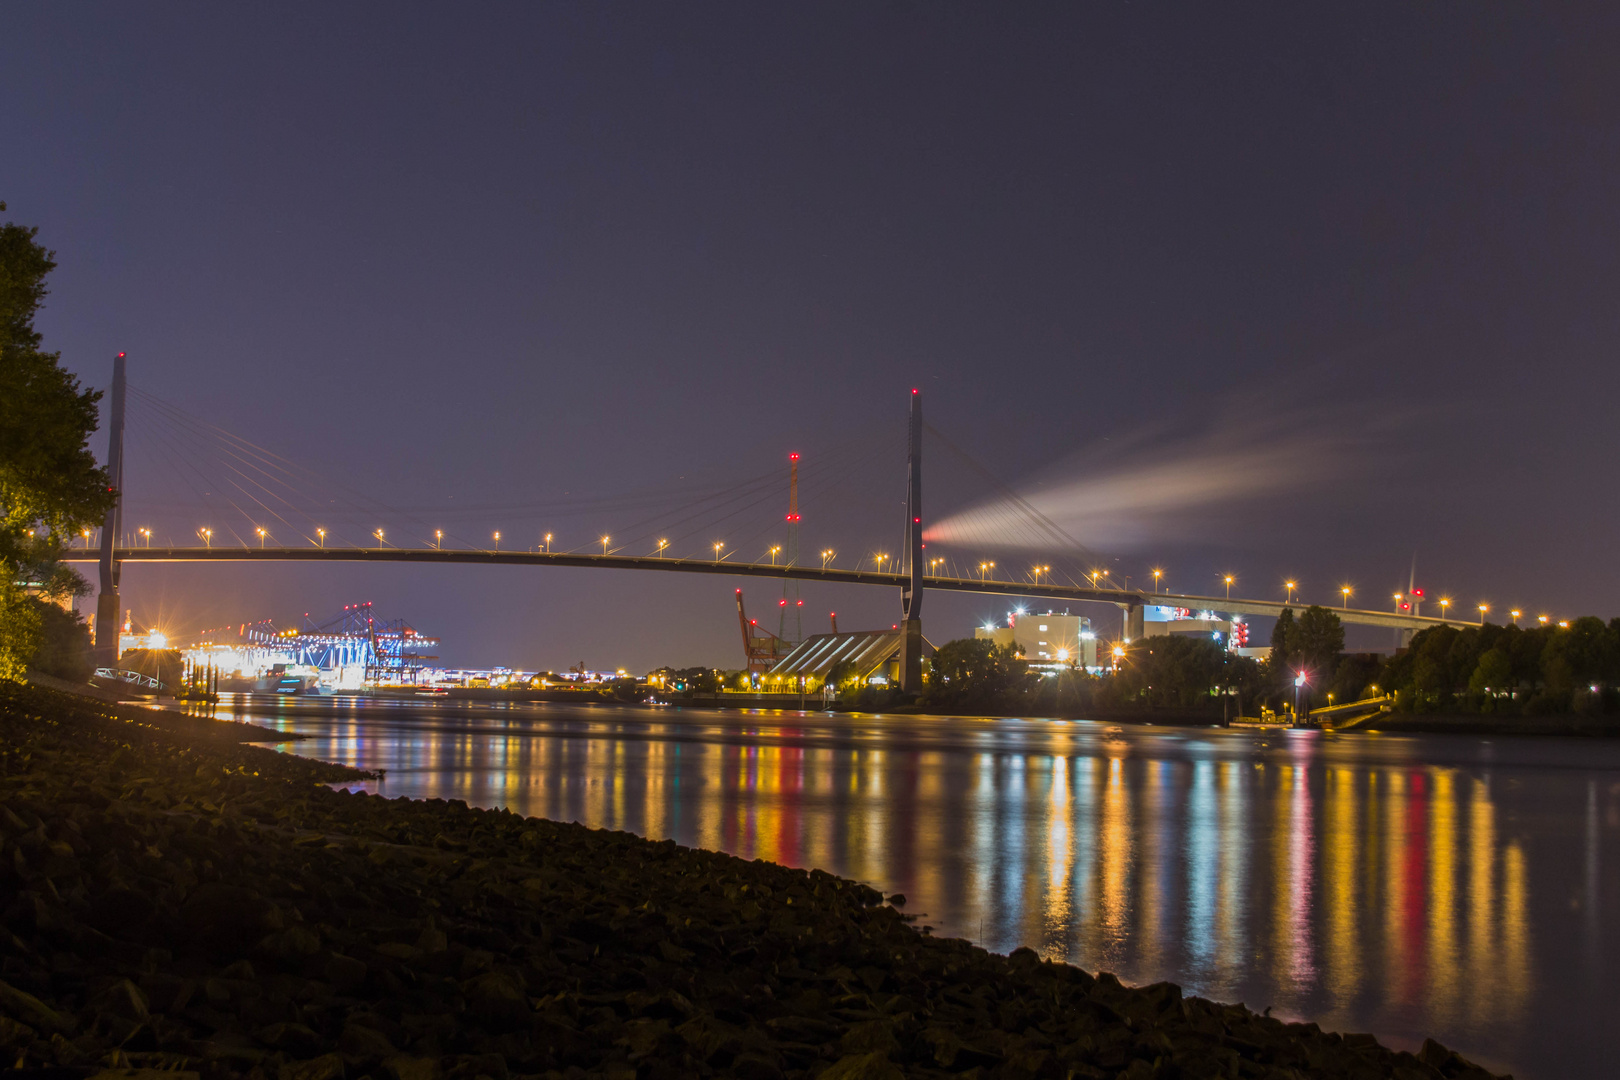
(253, 497)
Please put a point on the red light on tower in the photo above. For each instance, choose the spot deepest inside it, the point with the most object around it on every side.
(1418, 593)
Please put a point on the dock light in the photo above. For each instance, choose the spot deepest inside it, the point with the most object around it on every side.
(261, 537)
(1346, 590)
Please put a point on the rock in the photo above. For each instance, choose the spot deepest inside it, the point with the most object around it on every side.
(873, 1066)
(227, 918)
(325, 1067)
(363, 1046)
(29, 1009)
(405, 1067)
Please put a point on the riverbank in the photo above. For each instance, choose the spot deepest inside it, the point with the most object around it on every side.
(176, 899)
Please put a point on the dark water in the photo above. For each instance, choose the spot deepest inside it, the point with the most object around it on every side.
(1461, 887)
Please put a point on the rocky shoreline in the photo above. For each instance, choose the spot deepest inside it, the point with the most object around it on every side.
(175, 899)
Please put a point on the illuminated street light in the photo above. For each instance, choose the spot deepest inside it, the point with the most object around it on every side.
(605, 540)
(1445, 602)
(1542, 619)
(1299, 681)
(1228, 579)
(879, 559)
(1157, 574)
(774, 549)
(260, 531)
(438, 539)
(986, 567)
(1563, 624)
(1346, 590)
(1483, 608)
(548, 543)
(719, 546)
(207, 536)
(497, 538)
(1514, 616)
(827, 557)
(146, 533)
(320, 537)
(379, 535)
(1291, 586)
(662, 544)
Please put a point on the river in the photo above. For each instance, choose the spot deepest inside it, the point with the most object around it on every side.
(1462, 887)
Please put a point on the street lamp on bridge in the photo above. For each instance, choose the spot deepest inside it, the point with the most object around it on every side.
(1483, 608)
(719, 546)
(497, 538)
(1514, 616)
(1291, 586)
(774, 549)
(827, 557)
(438, 539)
(1345, 591)
(261, 533)
(1157, 574)
(379, 535)
(548, 543)
(986, 567)
(320, 538)
(1229, 579)
(207, 536)
(662, 544)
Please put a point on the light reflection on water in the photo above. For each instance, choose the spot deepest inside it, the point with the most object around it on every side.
(1434, 885)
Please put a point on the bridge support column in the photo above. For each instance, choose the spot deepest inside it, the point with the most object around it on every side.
(911, 652)
(1135, 627)
(911, 591)
(107, 622)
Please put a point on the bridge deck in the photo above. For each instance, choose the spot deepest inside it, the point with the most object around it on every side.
(1124, 598)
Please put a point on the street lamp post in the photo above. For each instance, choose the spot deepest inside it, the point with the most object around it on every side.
(379, 535)
(438, 539)
(548, 543)
(1299, 681)
(1514, 615)
(827, 557)
(1291, 587)
(320, 538)
(662, 544)
(1228, 579)
(148, 534)
(719, 546)
(774, 549)
(207, 536)
(260, 531)
(1445, 602)
(605, 541)
(1345, 591)
(1483, 608)
(1157, 574)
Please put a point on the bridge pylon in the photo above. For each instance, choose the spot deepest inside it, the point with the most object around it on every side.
(106, 645)
(911, 587)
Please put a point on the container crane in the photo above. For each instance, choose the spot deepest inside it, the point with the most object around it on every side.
(762, 648)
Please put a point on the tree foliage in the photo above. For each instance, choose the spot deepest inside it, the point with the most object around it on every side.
(977, 674)
(1489, 668)
(50, 485)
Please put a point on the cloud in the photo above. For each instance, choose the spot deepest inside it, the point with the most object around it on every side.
(1166, 484)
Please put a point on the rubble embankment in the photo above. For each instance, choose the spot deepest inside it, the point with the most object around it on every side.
(177, 900)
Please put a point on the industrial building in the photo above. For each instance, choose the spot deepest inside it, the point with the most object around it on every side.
(870, 656)
(1047, 641)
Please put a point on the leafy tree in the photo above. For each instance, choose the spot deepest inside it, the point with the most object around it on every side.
(49, 481)
(1283, 643)
(1493, 674)
(64, 644)
(1318, 639)
(978, 674)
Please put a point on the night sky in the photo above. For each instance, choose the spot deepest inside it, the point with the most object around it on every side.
(1281, 293)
